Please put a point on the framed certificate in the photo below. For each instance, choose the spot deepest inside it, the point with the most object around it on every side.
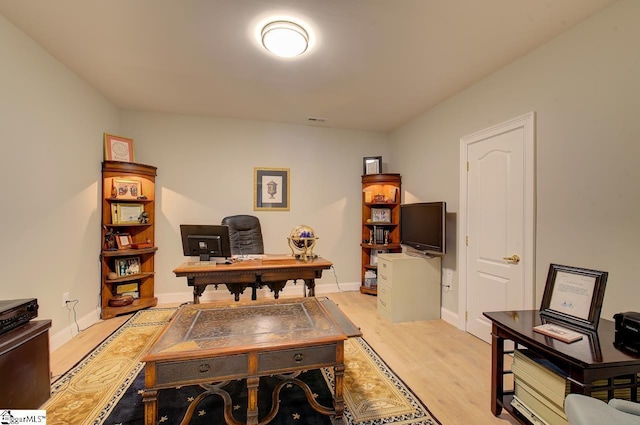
(574, 295)
(122, 213)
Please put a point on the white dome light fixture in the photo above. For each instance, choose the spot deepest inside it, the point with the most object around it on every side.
(285, 39)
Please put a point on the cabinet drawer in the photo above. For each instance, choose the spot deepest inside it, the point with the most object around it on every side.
(208, 369)
(385, 272)
(385, 301)
(385, 297)
(310, 357)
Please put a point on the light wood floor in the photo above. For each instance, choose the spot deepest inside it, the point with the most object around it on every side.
(449, 370)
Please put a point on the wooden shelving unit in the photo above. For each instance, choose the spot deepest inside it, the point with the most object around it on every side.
(380, 192)
(139, 232)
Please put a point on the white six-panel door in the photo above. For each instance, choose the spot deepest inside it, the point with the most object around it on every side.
(497, 222)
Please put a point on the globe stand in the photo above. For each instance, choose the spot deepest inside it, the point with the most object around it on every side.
(303, 244)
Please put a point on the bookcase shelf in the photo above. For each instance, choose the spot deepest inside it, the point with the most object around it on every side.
(380, 195)
(142, 177)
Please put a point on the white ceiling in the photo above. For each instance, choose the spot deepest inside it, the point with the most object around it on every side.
(373, 65)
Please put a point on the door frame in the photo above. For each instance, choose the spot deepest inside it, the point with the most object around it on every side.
(528, 123)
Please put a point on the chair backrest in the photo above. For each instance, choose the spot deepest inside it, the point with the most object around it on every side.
(245, 234)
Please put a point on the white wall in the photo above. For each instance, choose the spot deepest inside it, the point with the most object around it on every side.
(585, 90)
(51, 126)
(205, 172)
(583, 86)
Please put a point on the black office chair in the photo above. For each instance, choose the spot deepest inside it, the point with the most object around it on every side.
(245, 234)
(245, 238)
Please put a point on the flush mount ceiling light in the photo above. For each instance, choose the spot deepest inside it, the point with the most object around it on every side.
(285, 39)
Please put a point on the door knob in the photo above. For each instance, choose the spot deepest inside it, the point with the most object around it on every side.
(515, 259)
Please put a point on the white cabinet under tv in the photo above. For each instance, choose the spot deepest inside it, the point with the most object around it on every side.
(408, 287)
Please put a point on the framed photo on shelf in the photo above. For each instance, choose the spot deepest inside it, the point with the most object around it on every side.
(574, 296)
(127, 266)
(126, 189)
(381, 215)
(372, 165)
(271, 189)
(118, 148)
(123, 240)
(122, 213)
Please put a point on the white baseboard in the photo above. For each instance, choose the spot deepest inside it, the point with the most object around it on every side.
(450, 317)
(60, 337)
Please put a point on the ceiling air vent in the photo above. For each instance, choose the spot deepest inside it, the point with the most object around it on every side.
(316, 119)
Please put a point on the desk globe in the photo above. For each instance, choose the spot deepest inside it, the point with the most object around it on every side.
(303, 239)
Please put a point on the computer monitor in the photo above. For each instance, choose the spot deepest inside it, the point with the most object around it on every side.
(206, 241)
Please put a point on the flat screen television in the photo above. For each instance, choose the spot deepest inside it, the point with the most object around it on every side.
(422, 227)
(206, 241)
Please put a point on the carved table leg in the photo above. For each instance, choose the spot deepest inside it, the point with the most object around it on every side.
(197, 289)
(311, 285)
(150, 399)
(252, 403)
(338, 399)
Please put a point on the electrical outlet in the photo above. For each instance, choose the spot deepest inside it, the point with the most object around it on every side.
(65, 299)
(448, 277)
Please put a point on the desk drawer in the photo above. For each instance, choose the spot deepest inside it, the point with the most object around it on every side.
(293, 359)
(207, 369)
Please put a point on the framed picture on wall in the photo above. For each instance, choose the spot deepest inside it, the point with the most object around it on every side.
(117, 148)
(271, 189)
(372, 165)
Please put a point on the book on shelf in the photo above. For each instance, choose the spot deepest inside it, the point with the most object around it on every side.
(541, 375)
(549, 412)
(540, 386)
(529, 413)
(550, 379)
(127, 288)
(558, 332)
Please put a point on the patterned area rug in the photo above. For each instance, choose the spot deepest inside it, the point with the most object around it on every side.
(89, 390)
(104, 389)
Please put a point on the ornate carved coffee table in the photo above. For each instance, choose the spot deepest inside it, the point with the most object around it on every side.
(211, 344)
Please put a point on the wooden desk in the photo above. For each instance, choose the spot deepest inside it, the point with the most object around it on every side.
(590, 359)
(218, 342)
(272, 271)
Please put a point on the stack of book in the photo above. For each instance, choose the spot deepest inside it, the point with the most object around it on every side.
(540, 389)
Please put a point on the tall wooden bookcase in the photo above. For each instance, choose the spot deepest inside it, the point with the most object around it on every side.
(380, 223)
(128, 240)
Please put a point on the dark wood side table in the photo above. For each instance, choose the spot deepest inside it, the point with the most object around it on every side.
(590, 359)
(24, 366)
